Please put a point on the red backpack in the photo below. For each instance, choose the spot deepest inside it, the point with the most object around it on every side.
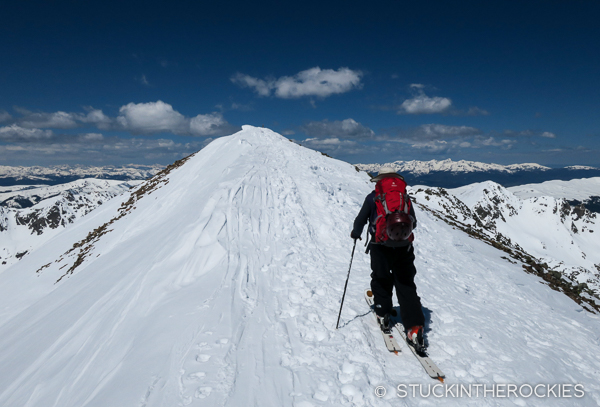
(393, 220)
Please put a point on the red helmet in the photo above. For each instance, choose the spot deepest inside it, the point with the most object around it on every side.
(399, 225)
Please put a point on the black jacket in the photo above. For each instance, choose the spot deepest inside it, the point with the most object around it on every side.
(368, 213)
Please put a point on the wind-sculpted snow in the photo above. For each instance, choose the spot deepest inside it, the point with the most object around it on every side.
(221, 287)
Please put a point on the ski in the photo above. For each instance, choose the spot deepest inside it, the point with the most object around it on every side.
(431, 368)
(390, 341)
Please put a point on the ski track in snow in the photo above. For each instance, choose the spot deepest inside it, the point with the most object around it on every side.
(222, 288)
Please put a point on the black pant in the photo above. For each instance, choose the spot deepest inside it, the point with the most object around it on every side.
(394, 267)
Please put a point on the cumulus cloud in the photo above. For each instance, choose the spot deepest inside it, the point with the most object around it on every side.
(140, 118)
(15, 133)
(262, 87)
(157, 117)
(97, 118)
(153, 117)
(423, 104)
(208, 124)
(311, 82)
(547, 134)
(348, 128)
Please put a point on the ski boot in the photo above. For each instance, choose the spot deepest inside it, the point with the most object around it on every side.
(415, 338)
(386, 323)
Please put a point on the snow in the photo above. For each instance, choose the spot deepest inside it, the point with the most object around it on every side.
(541, 224)
(579, 189)
(222, 286)
(22, 230)
(51, 174)
(418, 168)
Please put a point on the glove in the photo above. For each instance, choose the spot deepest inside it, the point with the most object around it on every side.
(353, 236)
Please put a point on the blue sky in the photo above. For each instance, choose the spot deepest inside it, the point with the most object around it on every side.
(149, 82)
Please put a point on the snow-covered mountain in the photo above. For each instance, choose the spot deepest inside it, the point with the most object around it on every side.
(61, 174)
(451, 174)
(553, 239)
(218, 283)
(416, 168)
(584, 191)
(31, 215)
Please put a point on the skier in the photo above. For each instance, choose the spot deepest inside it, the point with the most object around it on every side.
(392, 263)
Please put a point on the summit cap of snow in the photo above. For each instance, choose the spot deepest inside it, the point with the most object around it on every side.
(386, 172)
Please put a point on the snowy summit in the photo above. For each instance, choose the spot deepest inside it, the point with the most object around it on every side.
(218, 283)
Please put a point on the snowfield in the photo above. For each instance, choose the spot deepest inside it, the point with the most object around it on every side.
(580, 189)
(32, 215)
(219, 284)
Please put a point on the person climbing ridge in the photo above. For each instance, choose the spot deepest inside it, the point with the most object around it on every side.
(391, 218)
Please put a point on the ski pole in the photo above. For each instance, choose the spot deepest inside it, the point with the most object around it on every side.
(345, 286)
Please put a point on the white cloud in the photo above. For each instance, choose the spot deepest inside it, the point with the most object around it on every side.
(528, 133)
(207, 124)
(15, 133)
(348, 128)
(62, 120)
(97, 118)
(433, 132)
(423, 104)
(311, 82)
(328, 142)
(157, 117)
(152, 117)
(4, 116)
(57, 120)
(263, 88)
(140, 118)
(105, 150)
(436, 146)
(442, 131)
(335, 146)
(91, 137)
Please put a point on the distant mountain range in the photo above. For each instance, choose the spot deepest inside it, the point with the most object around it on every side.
(61, 174)
(454, 174)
